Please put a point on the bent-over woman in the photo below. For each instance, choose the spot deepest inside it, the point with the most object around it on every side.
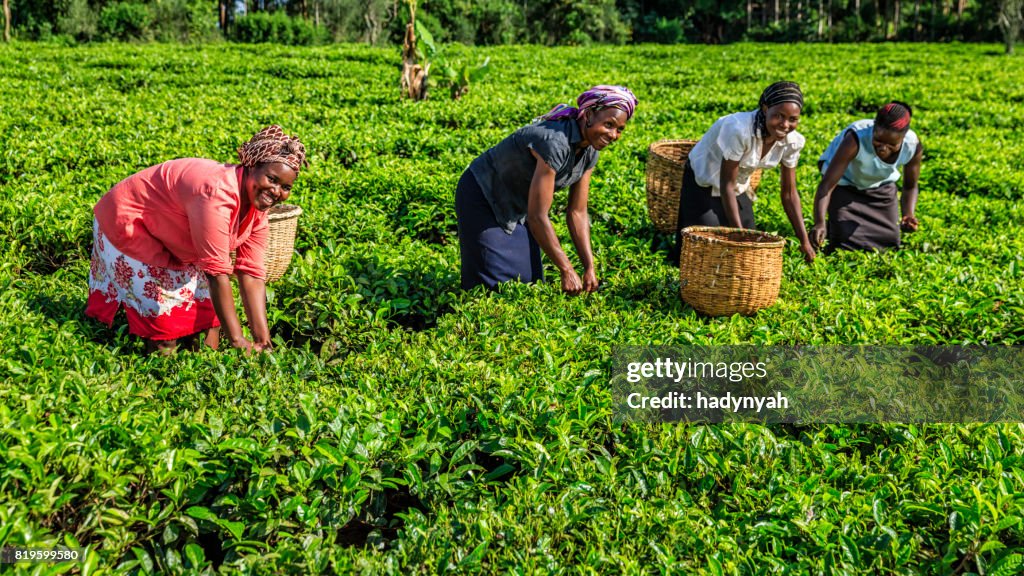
(162, 240)
(858, 184)
(716, 188)
(503, 199)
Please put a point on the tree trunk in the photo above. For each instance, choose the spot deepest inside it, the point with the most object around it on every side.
(222, 7)
(1010, 19)
(936, 8)
(799, 10)
(7, 21)
(917, 20)
(896, 20)
(829, 23)
(750, 13)
(775, 12)
(882, 18)
(373, 27)
(821, 18)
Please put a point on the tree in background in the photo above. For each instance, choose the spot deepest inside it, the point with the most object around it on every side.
(126, 21)
(7, 21)
(548, 22)
(1011, 18)
(578, 22)
(79, 21)
(222, 16)
(371, 21)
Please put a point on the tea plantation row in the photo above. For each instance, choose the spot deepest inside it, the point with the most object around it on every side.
(404, 426)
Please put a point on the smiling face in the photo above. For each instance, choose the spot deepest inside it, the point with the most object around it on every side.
(887, 143)
(269, 183)
(781, 119)
(604, 127)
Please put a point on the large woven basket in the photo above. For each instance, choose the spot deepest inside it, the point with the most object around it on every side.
(283, 221)
(666, 160)
(726, 271)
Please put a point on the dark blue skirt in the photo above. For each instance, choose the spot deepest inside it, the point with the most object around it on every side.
(490, 255)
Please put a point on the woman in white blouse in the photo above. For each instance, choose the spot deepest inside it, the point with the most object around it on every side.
(716, 182)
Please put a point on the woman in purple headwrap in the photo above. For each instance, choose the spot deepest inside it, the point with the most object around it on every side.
(503, 198)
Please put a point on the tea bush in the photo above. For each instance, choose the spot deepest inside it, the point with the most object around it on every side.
(402, 425)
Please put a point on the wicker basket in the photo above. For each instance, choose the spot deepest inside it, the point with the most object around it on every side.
(726, 271)
(284, 219)
(666, 160)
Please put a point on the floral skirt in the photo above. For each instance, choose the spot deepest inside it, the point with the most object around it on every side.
(160, 303)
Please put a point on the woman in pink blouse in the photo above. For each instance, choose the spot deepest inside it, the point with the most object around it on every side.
(162, 240)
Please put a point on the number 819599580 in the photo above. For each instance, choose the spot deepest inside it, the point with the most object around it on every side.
(14, 554)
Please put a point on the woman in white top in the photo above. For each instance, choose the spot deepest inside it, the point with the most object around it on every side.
(716, 181)
(858, 184)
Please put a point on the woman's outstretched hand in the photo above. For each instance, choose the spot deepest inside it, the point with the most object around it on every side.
(808, 251)
(909, 224)
(250, 346)
(590, 282)
(817, 235)
(571, 283)
(242, 343)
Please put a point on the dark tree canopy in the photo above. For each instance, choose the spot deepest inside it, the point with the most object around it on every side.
(548, 22)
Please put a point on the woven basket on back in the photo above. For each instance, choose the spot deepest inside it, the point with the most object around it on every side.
(726, 271)
(283, 221)
(666, 160)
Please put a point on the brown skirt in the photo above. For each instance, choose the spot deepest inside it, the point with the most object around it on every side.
(863, 219)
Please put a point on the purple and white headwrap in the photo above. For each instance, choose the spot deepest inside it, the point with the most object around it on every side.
(597, 98)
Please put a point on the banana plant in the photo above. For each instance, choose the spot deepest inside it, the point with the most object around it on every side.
(451, 74)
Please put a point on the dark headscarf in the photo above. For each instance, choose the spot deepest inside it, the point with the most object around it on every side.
(776, 94)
